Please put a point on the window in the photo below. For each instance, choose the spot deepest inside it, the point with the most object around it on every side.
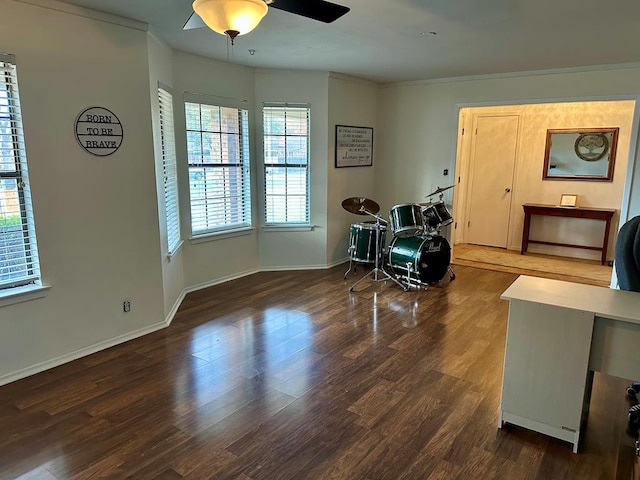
(167, 135)
(286, 164)
(218, 158)
(19, 264)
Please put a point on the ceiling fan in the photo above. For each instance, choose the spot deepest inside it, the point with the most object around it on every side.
(237, 17)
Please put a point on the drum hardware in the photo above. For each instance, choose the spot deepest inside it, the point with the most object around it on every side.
(440, 191)
(358, 248)
(452, 275)
(378, 256)
(410, 282)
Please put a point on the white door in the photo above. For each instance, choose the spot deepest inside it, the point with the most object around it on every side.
(492, 164)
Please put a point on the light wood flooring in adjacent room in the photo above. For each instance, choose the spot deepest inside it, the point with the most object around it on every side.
(288, 375)
(575, 270)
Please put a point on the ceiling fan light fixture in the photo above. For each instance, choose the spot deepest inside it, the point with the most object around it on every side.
(224, 16)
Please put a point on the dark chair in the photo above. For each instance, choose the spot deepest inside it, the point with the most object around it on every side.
(628, 273)
(628, 255)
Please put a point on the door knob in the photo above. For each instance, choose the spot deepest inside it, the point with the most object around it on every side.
(507, 189)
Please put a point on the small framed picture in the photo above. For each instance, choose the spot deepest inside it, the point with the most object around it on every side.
(568, 200)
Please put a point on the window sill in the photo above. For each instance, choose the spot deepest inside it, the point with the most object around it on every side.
(175, 251)
(23, 294)
(289, 228)
(210, 237)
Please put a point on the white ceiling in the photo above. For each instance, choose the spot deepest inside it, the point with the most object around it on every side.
(389, 40)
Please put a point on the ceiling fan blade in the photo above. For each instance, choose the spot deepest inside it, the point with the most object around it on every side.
(194, 22)
(320, 10)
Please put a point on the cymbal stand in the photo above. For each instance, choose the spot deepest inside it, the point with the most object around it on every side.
(440, 197)
(377, 270)
(350, 251)
(452, 275)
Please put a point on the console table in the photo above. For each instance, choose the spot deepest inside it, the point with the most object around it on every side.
(574, 212)
(558, 334)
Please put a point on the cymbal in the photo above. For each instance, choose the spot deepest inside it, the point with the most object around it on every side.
(356, 204)
(439, 190)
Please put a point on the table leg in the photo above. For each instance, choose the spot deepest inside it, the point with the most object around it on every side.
(606, 241)
(525, 233)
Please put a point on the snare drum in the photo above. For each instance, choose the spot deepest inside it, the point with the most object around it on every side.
(436, 216)
(406, 220)
(362, 242)
(423, 259)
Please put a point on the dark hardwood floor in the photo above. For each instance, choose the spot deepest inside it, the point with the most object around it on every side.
(289, 376)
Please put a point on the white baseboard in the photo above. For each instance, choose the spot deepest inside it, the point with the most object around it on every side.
(218, 281)
(83, 352)
(176, 306)
(305, 267)
(335, 263)
(293, 268)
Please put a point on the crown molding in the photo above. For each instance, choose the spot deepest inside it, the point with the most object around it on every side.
(529, 73)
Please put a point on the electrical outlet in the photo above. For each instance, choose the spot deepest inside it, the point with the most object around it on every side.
(126, 306)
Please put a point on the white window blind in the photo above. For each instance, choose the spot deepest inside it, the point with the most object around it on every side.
(286, 164)
(169, 171)
(218, 158)
(19, 264)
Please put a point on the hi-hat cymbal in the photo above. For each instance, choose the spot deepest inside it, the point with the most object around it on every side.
(358, 204)
(439, 190)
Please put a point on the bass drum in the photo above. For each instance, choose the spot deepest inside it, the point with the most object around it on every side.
(425, 259)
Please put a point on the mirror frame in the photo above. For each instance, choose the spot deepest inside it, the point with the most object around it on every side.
(594, 178)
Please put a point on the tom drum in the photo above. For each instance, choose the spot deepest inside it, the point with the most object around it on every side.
(406, 220)
(436, 216)
(362, 242)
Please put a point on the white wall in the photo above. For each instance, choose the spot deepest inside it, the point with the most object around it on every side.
(287, 249)
(528, 185)
(97, 222)
(161, 71)
(221, 257)
(96, 217)
(415, 144)
(417, 122)
(351, 102)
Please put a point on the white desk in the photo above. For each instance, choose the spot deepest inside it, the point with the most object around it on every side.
(558, 334)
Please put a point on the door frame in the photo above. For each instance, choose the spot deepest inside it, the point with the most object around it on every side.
(457, 165)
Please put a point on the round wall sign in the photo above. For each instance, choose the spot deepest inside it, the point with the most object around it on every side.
(99, 131)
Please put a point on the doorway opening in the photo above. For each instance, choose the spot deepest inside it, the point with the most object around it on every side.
(499, 168)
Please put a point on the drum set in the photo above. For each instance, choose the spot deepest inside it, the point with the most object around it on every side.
(418, 256)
